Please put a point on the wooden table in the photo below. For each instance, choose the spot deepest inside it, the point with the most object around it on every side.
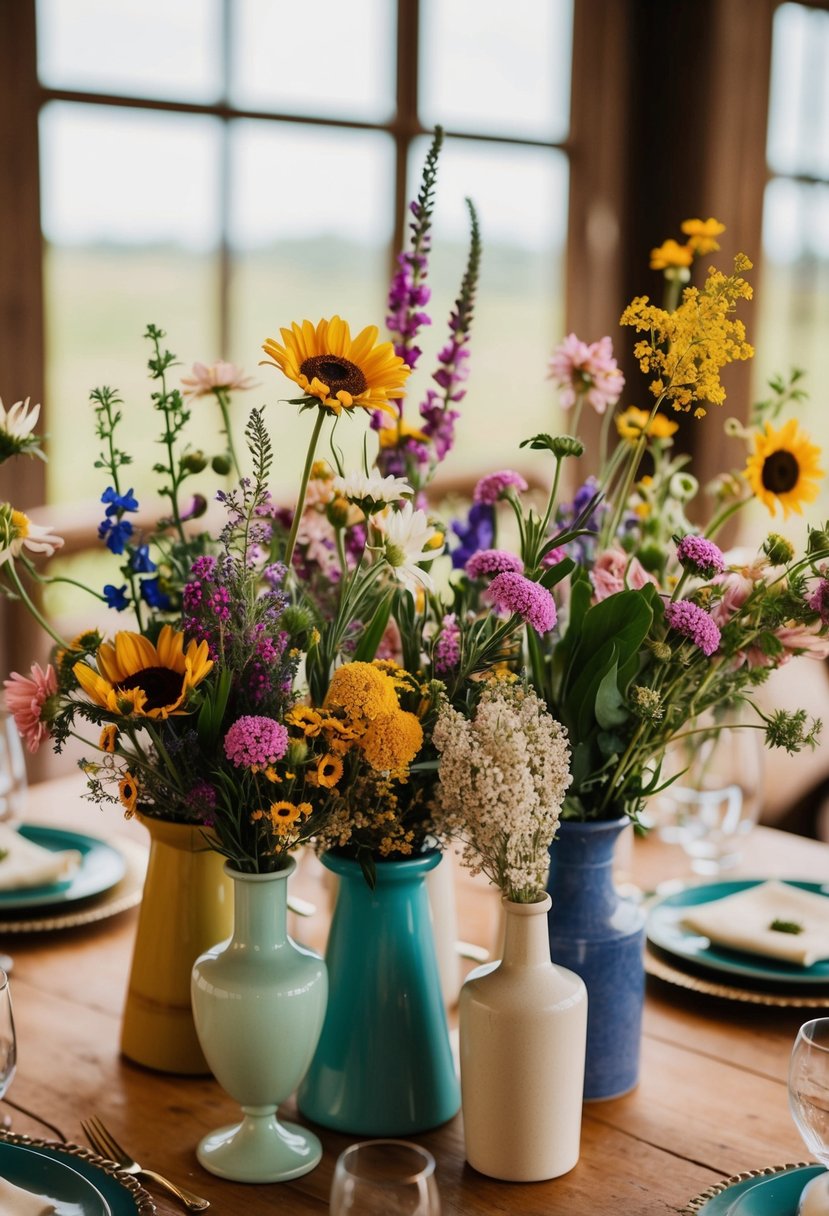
(711, 1102)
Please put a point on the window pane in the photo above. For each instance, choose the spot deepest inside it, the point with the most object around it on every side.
(481, 72)
(141, 48)
(798, 140)
(315, 57)
(519, 312)
(310, 223)
(130, 216)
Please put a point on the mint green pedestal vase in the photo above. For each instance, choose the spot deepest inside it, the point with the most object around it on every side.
(258, 1005)
(383, 1066)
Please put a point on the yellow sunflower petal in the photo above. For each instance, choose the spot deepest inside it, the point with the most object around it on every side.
(95, 686)
(133, 653)
(170, 648)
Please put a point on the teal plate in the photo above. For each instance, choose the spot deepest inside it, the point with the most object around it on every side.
(102, 866)
(665, 933)
(122, 1194)
(775, 1193)
(68, 1191)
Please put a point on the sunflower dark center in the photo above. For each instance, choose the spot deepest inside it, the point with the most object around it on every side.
(161, 685)
(341, 375)
(780, 472)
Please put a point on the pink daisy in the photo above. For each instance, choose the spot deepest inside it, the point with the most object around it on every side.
(26, 697)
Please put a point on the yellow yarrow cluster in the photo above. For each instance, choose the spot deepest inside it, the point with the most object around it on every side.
(688, 348)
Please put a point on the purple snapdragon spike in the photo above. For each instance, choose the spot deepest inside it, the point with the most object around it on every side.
(437, 409)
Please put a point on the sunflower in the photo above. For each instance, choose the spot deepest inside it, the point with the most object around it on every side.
(341, 373)
(136, 677)
(329, 770)
(128, 793)
(784, 468)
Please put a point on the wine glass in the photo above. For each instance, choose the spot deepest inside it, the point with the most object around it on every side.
(385, 1178)
(12, 770)
(809, 1104)
(8, 1039)
(715, 800)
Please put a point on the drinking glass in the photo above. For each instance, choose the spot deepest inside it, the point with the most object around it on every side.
(715, 800)
(12, 770)
(809, 1104)
(385, 1178)
(8, 1040)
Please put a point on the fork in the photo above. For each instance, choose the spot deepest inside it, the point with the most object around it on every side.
(104, 1143)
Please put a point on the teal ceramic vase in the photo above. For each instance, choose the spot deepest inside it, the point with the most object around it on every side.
(383, 1066)
(258, 1005)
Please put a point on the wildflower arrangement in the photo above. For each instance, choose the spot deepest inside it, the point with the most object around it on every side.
(657, 628)
(280, 677)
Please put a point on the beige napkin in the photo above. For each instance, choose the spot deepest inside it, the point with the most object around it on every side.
(742, 922)
(14, 1201)
(26, 864)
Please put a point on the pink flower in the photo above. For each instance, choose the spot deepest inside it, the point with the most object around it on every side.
(447, 653)
(586, 371)
(805, 640)
(26, 697)
(614, 571)
(204, 380)
(700, 556)
(493, 561)
(513, 593)
(255, 742)
(492, 487)
(692, 622)
(553, 557)
(819, 601)
(737, 586)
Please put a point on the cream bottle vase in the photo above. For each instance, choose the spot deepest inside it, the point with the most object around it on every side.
(523, 1029)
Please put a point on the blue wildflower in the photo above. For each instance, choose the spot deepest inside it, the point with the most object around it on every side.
(115, 534)
(116, 597)
(141, 562)
(152, 594)
(119, 502)
(477, 533)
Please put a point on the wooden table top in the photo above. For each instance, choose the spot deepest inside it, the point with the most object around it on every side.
(711, 1103)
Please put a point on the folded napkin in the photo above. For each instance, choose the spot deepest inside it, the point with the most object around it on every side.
(14, 1201)
(26, 864)
(743, 922)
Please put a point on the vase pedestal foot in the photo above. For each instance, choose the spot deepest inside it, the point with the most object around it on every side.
(260, 1149)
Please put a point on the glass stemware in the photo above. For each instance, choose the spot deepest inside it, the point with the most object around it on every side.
(809, 1104)
(8, 1039)
(12, 770)
(385, 1178)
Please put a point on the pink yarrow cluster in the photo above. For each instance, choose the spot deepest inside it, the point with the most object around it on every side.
(493, 487)
(586, 370)
(819, 601)
(514, 593)
(448, 646)
(255, 742)
(700, 556)
(687, 618)
(25, 699)
(487, 562)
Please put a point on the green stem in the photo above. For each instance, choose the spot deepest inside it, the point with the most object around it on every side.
(723, 516)
(224, 403)
(41, 620)
(603, 436)
(303, 486)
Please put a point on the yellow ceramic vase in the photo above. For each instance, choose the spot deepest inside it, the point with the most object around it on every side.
(187, 906)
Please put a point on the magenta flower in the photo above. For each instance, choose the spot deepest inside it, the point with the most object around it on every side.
(700, 556)
(493, 487)
(589, 371)
(513, 593)
(488, 562)
(553, 557)
(688, 619)
(255, 742)
(819, 601)
(448, 646)
(26, 698)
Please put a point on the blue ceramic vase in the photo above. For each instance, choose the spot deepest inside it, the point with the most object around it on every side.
(600, 935)
(383, 1065)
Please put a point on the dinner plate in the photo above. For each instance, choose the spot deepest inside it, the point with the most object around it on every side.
(102, 866)
(68, 1191)
(123, 1193)
(666, 933)
(768, 1193)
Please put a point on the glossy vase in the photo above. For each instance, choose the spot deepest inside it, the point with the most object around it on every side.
(600, 935)
(258, 1003)
(187, 905)
(523, 1027)
(384, 1065)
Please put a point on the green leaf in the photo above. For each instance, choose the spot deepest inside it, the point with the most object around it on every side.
(555, 574)
(610, 704)
(373, 633)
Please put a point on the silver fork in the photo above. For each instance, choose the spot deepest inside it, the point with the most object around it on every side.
(104, 1143)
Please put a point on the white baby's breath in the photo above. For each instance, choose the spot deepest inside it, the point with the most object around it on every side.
(503, 775)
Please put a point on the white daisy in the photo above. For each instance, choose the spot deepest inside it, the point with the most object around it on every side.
(19, 421)
(371, 491)
(17, 531)
(408, 538)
